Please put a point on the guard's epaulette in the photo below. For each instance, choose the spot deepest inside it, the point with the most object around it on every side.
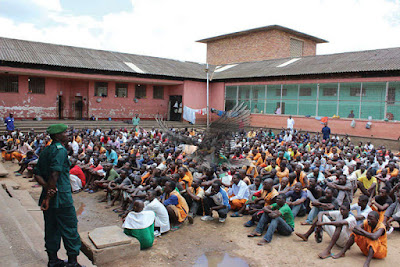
(59, 146)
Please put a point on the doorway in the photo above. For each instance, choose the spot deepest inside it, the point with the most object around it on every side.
(175, 108)
(78, 107)
(60, 107)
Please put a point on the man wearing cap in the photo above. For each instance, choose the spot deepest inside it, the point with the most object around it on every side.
(52, 172)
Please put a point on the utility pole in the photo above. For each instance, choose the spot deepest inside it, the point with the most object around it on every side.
(208, 97)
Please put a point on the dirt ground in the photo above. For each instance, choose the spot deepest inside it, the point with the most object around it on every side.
(184, 246)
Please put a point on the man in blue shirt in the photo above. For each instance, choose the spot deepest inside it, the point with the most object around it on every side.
(326, 131)
(111, 155)
(9, 123)
(216, 199)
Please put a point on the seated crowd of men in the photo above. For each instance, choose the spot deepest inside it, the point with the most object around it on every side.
(290, 174)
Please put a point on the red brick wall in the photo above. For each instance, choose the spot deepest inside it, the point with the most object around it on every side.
(255, 47)
(379, 129)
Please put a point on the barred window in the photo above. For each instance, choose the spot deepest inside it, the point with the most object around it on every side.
(158, 92)
(356, 91)
(8, 84)
(278, 92)
(140, 91)
(296, 48)
(391, 96)
(329, 92)
(101, 89)
(36, 85)
(305, 91)
(121, 90)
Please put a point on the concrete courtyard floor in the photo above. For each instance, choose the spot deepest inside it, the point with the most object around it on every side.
(184, 246)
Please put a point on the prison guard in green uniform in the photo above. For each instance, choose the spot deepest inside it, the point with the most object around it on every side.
(60, 218)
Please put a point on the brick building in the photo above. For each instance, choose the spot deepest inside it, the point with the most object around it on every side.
(270, 42)
(278, 69)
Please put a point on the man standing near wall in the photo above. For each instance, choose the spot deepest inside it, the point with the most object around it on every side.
(9, 123)
(52, 172)
(326, 131)
(136, 121)
(290, 123)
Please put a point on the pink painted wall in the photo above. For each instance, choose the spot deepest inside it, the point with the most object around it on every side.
(26, 105)
(126, 108)
(379, 129)
(195, 96)
(175, 89)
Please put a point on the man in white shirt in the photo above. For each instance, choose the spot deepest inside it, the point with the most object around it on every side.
(290, 123)
(288, 137)
(362, 208)
(238, 193)
(121, 139)
(339, 229)
(278, 110)
(74, 146)
(162, 218)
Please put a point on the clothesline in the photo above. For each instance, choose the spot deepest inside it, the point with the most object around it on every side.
(189, 114)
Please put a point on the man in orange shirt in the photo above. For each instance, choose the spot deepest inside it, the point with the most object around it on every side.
(371, 238)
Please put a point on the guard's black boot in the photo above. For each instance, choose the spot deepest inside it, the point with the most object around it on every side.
(54, 261)
(73, 262)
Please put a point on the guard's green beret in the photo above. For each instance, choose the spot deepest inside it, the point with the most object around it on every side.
(57, 128)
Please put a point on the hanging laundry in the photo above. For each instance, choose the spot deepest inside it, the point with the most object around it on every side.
(189, 114)
(218, 112)
(202, 111)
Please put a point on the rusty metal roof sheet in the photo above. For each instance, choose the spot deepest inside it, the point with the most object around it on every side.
(350, 62)
(12, 50)
(21, 51)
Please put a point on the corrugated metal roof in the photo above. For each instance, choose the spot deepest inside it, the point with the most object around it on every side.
(13, 50)
(67, 56)
(363, 61)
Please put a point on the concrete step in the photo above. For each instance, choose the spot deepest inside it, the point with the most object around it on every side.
(24, 206)
(6, 252)
(21, 232)
(41, 126)
(29, 204)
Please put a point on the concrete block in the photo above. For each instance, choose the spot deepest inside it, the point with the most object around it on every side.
(108, 236)
(104, 256)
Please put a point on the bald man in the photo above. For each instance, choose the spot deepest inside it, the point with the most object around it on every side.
(139, 223)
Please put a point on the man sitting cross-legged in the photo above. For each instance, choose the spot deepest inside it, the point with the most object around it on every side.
(367, 184)
(280, 219)
(339, 229)
(110, 176)
(371, 238)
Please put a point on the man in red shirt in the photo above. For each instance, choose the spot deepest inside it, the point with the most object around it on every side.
(76, 171)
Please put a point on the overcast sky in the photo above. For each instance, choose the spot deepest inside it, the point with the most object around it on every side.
(169, 28)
